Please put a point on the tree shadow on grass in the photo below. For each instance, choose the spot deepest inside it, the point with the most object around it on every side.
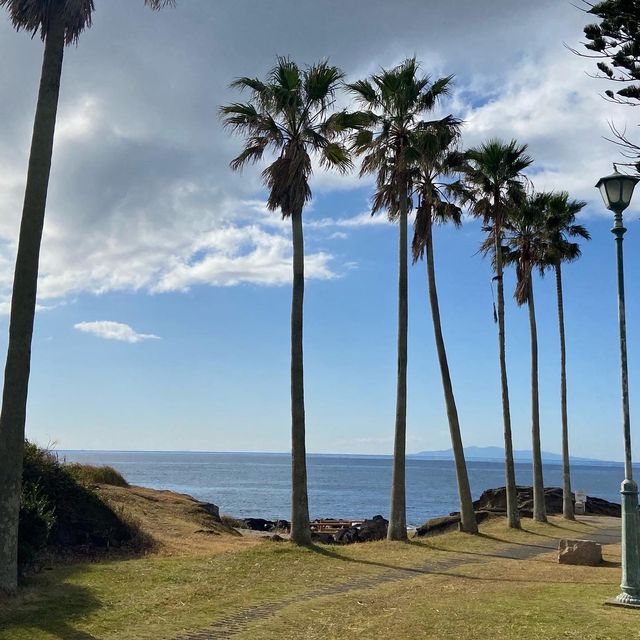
(532, 545)
(441, 569)
(481, 554)
(50, 606)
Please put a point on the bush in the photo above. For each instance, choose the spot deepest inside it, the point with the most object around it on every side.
(59, 511)
(37, 518)
(87, 474)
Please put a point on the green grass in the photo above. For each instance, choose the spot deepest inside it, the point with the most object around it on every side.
(158, 597)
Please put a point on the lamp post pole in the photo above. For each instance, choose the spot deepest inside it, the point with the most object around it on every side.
(630, 585)
(616, 190)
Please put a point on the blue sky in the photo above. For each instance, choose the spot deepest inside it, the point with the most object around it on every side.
(147, 227)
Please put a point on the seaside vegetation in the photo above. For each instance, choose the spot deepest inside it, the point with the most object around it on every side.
(61, 513)
(88, 474)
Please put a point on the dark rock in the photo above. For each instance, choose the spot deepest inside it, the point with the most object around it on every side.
(347, 536)
(282, 525)
(369, 530)
(600, 507)
(259, 524)
(494, 500)
(374, 529)
(211, 509)
(323, 538)
(444, 524)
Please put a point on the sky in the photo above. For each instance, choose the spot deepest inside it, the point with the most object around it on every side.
(164, 292)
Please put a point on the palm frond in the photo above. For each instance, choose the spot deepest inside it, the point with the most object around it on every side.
(438, 90)
(159, 4)
(253, 84)
(320, 82)
(365, 93)
(37, 16)
(336, 156)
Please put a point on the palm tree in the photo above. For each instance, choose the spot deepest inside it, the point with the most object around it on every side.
(560, 228)
(436, 159)
(394, 101)
(290, 115)
(60, 23)
(526, 244)
(493, 179)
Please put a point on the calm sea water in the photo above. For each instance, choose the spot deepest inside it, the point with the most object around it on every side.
(257, 485)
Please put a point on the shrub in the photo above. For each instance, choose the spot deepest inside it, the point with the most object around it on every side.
(37, 518)
(59, 511)
(87, 474)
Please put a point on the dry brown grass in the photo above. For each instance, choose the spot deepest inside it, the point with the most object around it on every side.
(177, 523)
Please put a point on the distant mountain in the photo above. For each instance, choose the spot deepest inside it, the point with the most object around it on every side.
(496, 454)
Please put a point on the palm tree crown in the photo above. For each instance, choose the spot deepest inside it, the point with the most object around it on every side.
(435, 158)
(35, 15)
(493, 176)
(393, 103)
(525, 236)
(289, 115)
(561, 227)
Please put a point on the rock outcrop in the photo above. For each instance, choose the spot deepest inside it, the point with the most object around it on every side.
(444, 524)
(494, 501)
(367, 531)
(260, 524)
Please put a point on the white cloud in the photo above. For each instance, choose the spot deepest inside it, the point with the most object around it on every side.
(551, 104)
(110, 330)
(364, 219)
(234, 255)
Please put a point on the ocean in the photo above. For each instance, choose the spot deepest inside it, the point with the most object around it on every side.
(257, 484)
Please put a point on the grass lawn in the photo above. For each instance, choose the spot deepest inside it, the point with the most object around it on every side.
(458, 587)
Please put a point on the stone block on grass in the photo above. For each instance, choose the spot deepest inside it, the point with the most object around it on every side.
(579, 552)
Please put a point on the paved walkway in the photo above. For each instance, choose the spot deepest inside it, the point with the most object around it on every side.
(234, 624)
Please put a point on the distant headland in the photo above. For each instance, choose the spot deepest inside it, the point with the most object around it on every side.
(496, 454)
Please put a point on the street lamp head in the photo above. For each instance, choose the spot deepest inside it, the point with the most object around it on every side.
(616, 190)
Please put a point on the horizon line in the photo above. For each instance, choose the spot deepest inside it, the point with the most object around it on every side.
(324, 453)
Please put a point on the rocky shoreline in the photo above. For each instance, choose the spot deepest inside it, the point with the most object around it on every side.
(492, 503)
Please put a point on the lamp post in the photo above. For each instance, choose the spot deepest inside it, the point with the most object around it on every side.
(616, 190)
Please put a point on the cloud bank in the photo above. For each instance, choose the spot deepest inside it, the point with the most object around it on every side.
(141, 195)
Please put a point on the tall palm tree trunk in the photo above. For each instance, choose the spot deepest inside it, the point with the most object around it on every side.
(513, 517)
(23, 304)
(567, 502)
(398, 516)
(300, 531)
(467, 513)
(539, 510)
